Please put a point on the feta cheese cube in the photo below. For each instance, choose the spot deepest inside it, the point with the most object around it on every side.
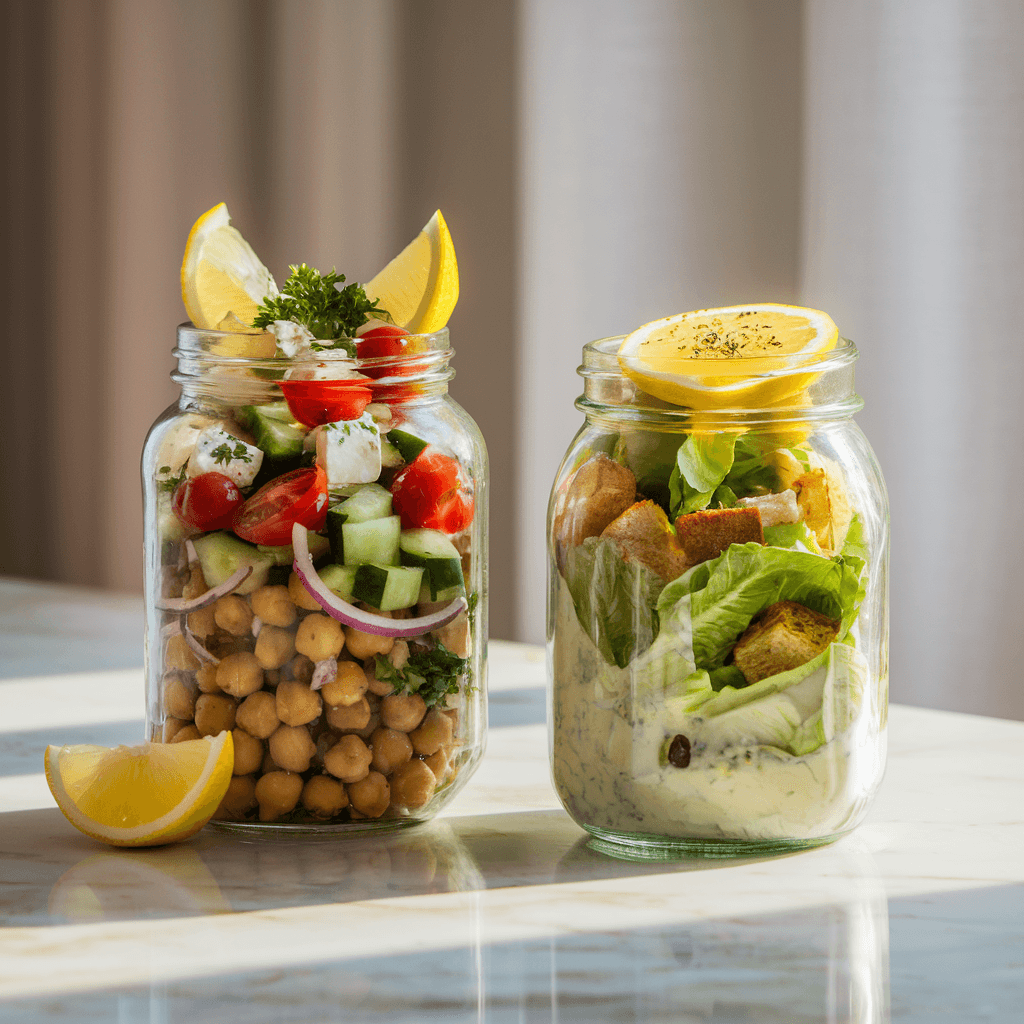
(349, 451)
(291, 337)
(217, 451)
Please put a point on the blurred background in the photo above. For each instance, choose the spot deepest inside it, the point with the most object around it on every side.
(600, 164)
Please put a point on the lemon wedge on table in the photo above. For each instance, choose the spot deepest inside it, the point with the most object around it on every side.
(420, 286)
(147, 795)
(730, 357)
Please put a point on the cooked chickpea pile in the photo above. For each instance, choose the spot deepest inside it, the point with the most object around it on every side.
(351, 750)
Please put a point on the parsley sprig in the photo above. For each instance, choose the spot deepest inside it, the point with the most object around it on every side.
(225, 453)
(315, 300)
(168, 480)
(433, 674)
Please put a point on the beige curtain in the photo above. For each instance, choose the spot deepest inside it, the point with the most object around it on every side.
(601, 164)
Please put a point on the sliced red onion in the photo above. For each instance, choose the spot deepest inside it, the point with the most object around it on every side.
(368, 622)
(323, 672)
(190, 550)
(193, 604)
(172, 628)
(194, 645)
(257, 625)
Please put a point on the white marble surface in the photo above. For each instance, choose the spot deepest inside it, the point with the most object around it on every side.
(499, 911)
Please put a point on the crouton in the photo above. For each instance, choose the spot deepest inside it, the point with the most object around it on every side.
(785, 635)
(705, 535)
(774, 508)
(643, 534)
(598, 492)
(821, 497)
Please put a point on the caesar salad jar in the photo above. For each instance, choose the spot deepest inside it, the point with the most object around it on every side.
(717, 609)
(316, 577)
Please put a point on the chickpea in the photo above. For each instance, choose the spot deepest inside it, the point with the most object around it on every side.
(278, 793)
(349, 716)
(432, 733)
(206, 678)
(179, 697)
(196, 585)
(233, 614)
(240, 797)
(269, 765)
(437, 763)
(179, 655)
(455, 636)
(370, 728)
(274, 646)
(292, 748)
(172, 726)
(297, 704)
(190, 732)
(257, 715)
(214, 714)
(390, 749)
(271, 677)
(300, 668)
(324, 796)
(364, 645)
(349, 759)
(346, 687)
(381, 687)
(402, 711)
(248, 752)
(399, 656)
(240, 674)
(202, 621)
(319, 637)
(300, 595)
(412, 785)
(274, 606)
(370, 796)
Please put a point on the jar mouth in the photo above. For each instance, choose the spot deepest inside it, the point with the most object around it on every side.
(742, 390)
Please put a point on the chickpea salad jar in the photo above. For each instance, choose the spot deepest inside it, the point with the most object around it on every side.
(315, 545)
(717, 612)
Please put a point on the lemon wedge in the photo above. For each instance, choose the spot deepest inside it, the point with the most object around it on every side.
(223, 281)
(730, 357)
(147, 795)
(420, 286)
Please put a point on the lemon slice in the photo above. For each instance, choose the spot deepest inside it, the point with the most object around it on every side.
(730, 357)
(420, 286)
(223, 281)
(141, 796)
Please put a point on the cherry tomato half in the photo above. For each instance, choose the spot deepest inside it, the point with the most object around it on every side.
(386, 341)
(297, 497)
(431, 493)
(315, 402)
(206, 502)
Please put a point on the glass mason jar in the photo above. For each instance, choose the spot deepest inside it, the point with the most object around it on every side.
(350, 667)
(717, 613)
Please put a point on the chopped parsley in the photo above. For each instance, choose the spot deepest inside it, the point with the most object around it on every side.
(433, 674)
(225, 453)
(315, 300)
(170, 482)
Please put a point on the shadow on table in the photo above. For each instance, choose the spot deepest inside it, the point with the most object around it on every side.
(52, 874)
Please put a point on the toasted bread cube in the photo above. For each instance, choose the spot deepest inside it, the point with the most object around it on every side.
(821, 496)
(785, 635)
(643, 534)
(774, 508)
(600, 490)
(705, 535)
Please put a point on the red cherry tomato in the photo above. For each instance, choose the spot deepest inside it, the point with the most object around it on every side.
(386, 341)
(432, 493)
(315, 402)
(206, 502)
(297, 497)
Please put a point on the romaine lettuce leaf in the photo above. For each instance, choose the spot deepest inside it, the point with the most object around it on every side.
(773, 720)
(793, 537)
(702, 464)
(750, 473)
(615, 600)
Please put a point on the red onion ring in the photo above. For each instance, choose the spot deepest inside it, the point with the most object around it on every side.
(323, 672)
(348, 614)
(193, 604)
(195, 646)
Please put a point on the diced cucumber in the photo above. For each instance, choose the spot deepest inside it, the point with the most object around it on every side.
(441, 597)
(222, 554)
(390, 456)
(376, 540)
(370, 501)
(439, 558)
(274, 429)
(408, 445)
(387, 587)
(283, 554)
(339, 579)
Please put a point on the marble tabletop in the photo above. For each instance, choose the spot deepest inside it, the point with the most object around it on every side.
(499, 910)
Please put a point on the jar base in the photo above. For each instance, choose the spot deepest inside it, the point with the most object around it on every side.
(333, 830)
(638, 846)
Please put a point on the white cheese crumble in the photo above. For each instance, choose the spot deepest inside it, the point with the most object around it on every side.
(349, 451)
(774, 508)
(217, 451)
(292, 338)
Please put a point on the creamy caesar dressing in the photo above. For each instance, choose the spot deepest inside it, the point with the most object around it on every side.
(610, 729)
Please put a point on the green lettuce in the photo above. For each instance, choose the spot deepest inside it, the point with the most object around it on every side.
(615, 600)
(702, 464)
(729, 591)
(793, 536)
